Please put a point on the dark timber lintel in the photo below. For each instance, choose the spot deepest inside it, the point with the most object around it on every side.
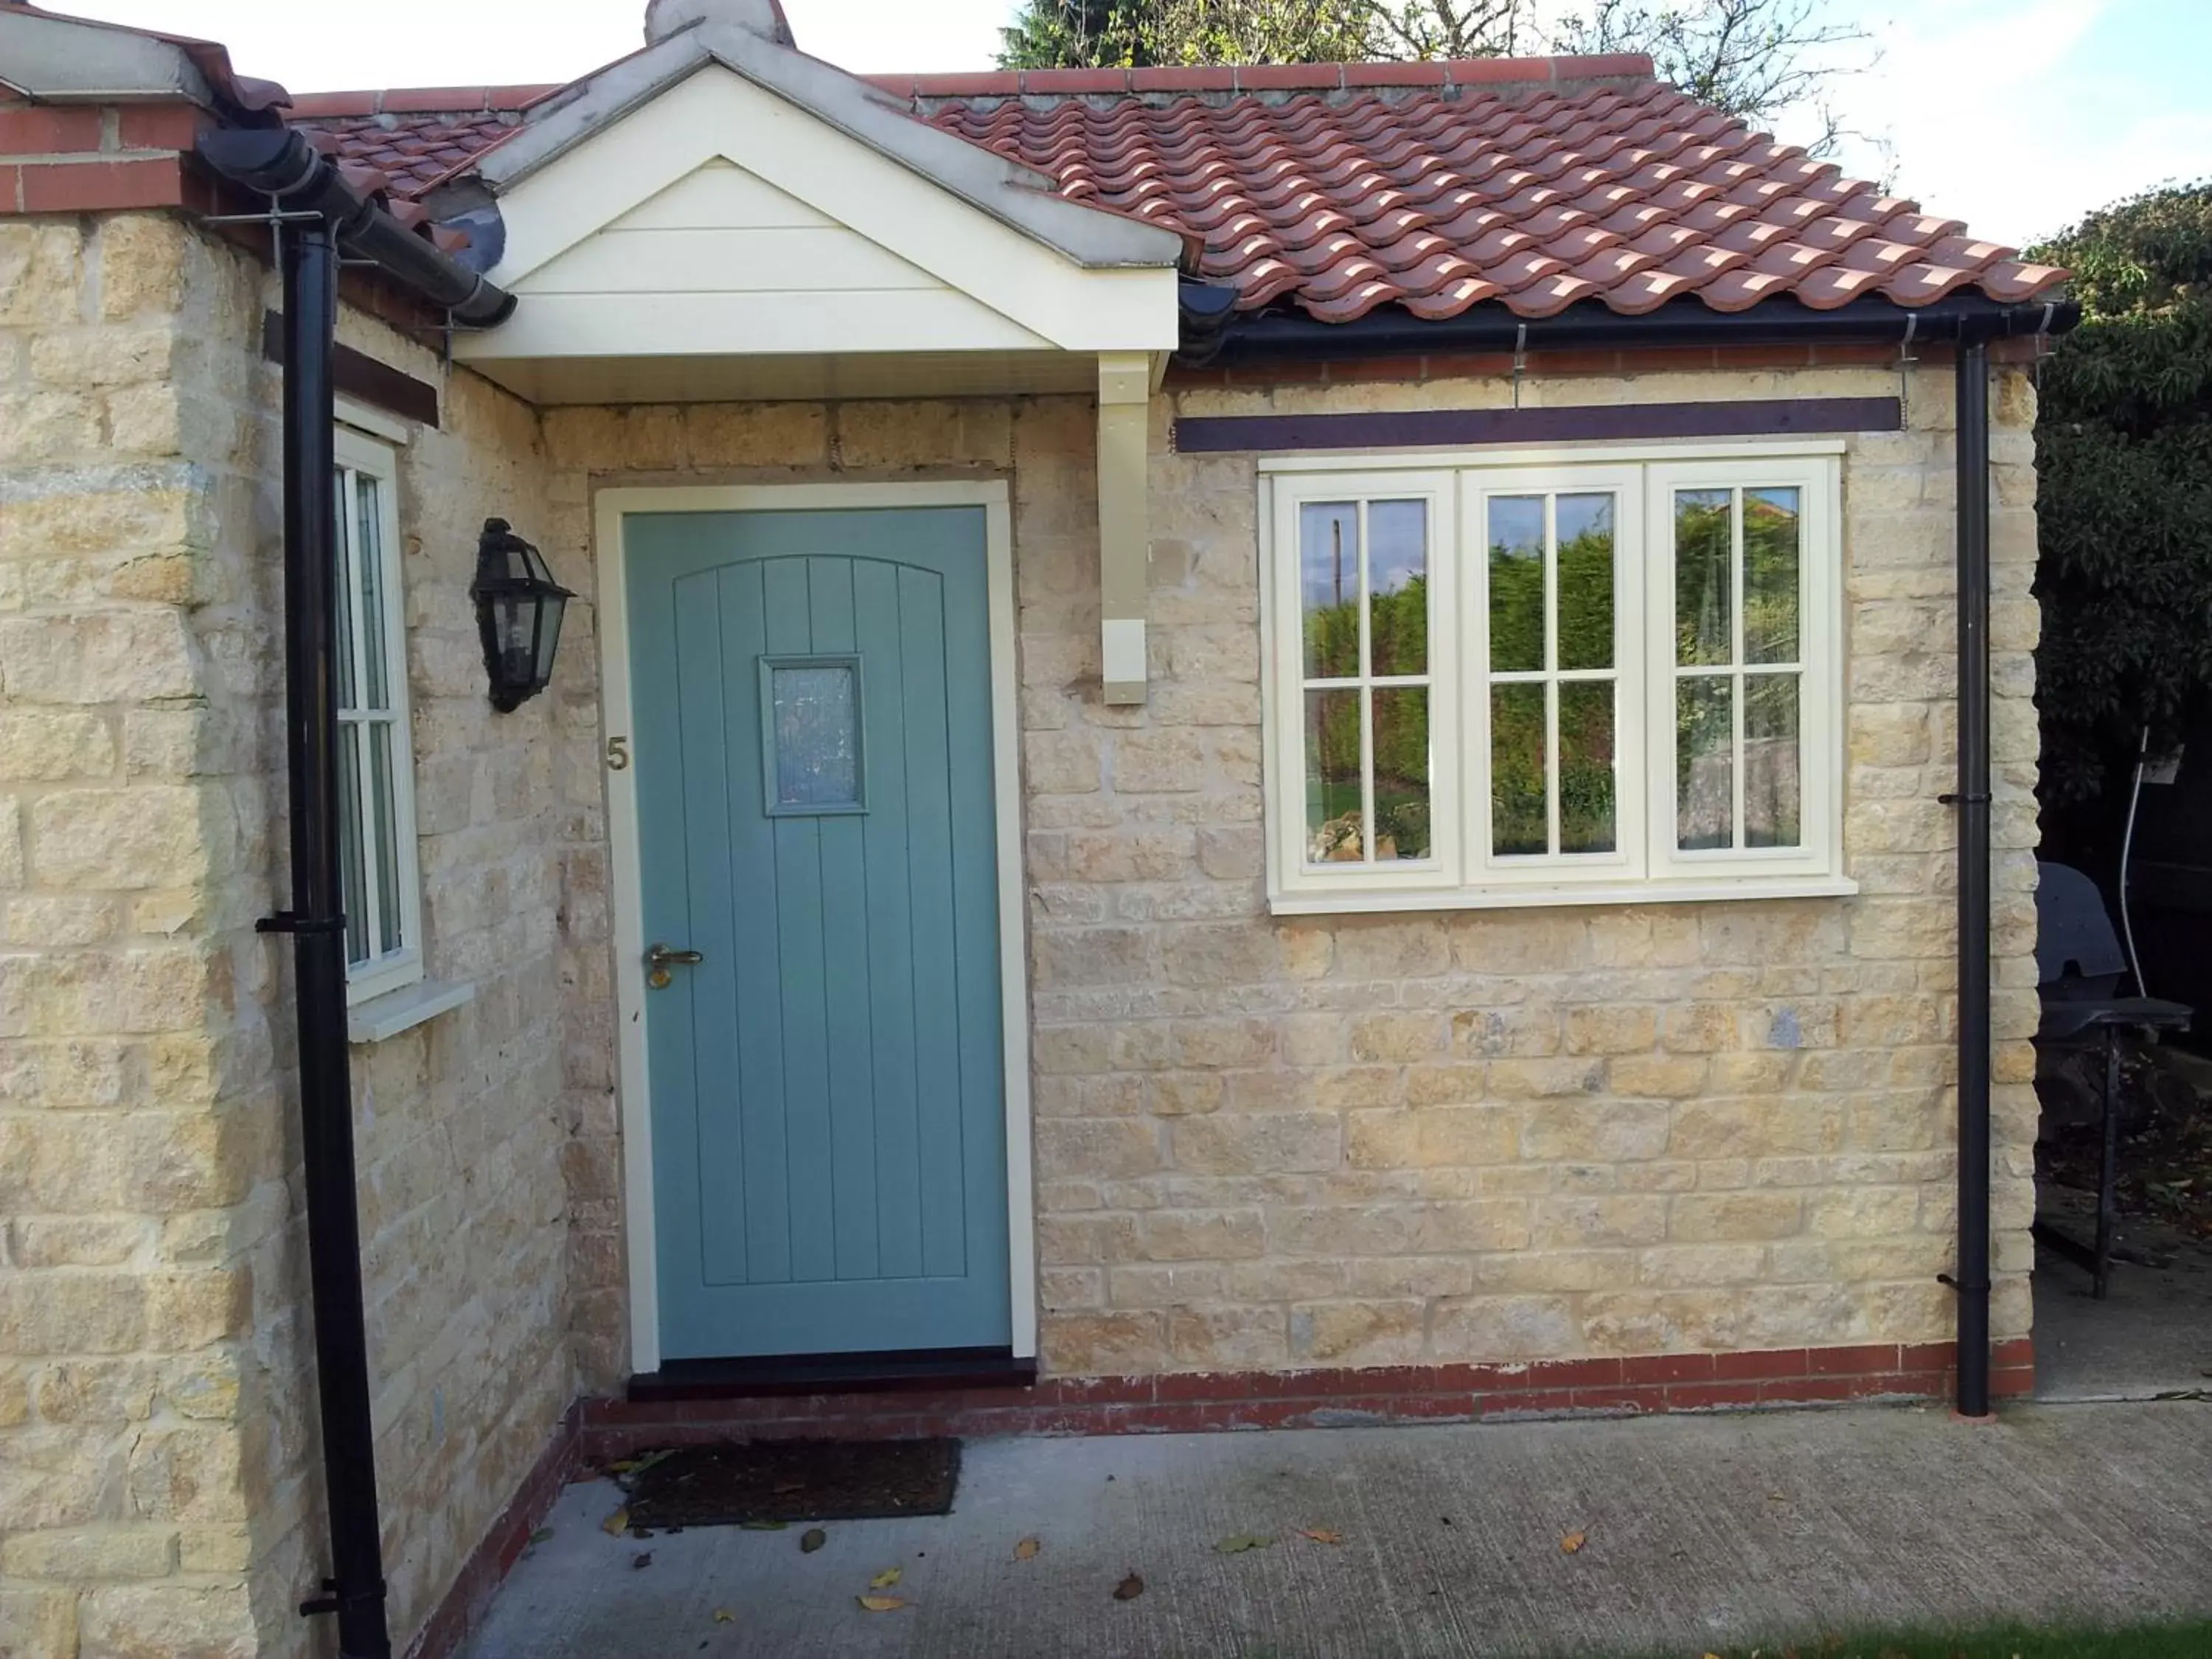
(1414, 430)
(361, 377)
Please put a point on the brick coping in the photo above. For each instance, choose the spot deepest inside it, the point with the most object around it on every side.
(595, 1431)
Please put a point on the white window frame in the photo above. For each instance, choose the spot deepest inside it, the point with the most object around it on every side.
(363, 460)
(1646, 866)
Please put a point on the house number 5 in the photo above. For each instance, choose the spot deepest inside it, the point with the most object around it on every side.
(617, 754)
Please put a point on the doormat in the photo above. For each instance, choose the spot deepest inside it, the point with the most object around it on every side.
(775, 1480)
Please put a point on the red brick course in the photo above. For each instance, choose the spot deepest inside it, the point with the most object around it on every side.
(1181, 1402)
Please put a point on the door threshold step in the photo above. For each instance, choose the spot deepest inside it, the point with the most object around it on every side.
(930, 1370)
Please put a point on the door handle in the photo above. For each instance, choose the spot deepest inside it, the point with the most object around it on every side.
(660, 958)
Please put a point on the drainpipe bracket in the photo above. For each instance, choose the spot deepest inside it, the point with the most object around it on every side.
(1970, 799)
(285, 922)
(1963, 1290)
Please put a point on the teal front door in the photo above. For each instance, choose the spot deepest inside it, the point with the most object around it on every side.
(811, 702)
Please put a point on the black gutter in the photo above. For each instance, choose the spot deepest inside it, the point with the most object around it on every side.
(280, 163)
(1391, 331)
(1972, 800)
(323, 217)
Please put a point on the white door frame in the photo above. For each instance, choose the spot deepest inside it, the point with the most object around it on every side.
(612, 507)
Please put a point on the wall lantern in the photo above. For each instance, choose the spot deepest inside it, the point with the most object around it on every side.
(519, 610)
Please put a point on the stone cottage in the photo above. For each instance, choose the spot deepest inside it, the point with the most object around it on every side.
(1226, 746)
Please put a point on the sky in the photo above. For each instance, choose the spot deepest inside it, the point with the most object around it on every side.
(2016, 116)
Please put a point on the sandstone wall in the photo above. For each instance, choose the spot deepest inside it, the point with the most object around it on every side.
(160, 1479)
(1263, 1144)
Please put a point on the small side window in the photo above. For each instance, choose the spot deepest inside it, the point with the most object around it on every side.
(376, 762)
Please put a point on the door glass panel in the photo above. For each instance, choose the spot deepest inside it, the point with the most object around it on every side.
(1588, 810)
(1401, 773)
(1329, 566)
(1705, 761)
(1585, 582)
(1334, 820)
(1703, 601)
(353, 878)
(1772, 753)
(814, 720)
(1516, 584)
(1519, 815)
(1772, 536)
(1398, 587)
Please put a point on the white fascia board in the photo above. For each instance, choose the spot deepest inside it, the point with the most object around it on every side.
(620, 325)
(713, 113)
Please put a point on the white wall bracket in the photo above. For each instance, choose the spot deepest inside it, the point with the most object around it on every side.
(1125, 393)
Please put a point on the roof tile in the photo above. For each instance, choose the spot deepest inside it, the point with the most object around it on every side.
(1535, 183)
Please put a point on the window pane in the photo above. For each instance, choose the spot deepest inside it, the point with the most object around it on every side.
(341, 542)
(370, 553)
(1334, 831)
(1516, 583)
(1704, 549)
(1585, 582)
(816, 716)
(1772, 788)
(1705, 761)
(1519, 819)
(1401, 773)
(1772, 540)
(353, 882)
(1398, 586)
(384, 825)
(1329, 563)
(1587, 809)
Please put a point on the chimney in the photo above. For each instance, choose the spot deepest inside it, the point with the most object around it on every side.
(762, 17)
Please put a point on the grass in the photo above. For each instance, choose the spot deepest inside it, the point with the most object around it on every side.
(2193, 1640)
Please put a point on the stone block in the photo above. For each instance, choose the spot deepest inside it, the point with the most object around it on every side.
(1504, 1327)
(1373, 1333)
(1228, 1339)
(143, 261)
(168, 1621)
(1275, 1143)
(91, 1552)
(40, 271)
(1711, 1218)
(1130, 1342)
(1455, 1137)
(1169, 761)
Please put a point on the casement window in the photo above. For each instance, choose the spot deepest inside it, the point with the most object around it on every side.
(376, 766)
(1562, 677)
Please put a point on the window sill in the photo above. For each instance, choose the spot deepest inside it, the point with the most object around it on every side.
(395, 1011)
(1716, 890)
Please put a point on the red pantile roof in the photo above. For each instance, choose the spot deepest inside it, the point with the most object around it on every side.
(415, 137)
(1536, 183)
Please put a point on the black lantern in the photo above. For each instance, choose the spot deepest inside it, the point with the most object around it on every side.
(519, 610)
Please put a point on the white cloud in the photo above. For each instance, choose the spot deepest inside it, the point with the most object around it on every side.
(1992, 117)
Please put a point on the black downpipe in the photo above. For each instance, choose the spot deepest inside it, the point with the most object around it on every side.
(317, 923)
(1973, 799)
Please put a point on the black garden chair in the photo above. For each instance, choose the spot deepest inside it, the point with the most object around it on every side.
(2079, 965)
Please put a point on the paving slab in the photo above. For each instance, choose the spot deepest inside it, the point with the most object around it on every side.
(1699, 1531)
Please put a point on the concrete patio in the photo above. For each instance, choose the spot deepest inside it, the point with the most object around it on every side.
(1699, 1531)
